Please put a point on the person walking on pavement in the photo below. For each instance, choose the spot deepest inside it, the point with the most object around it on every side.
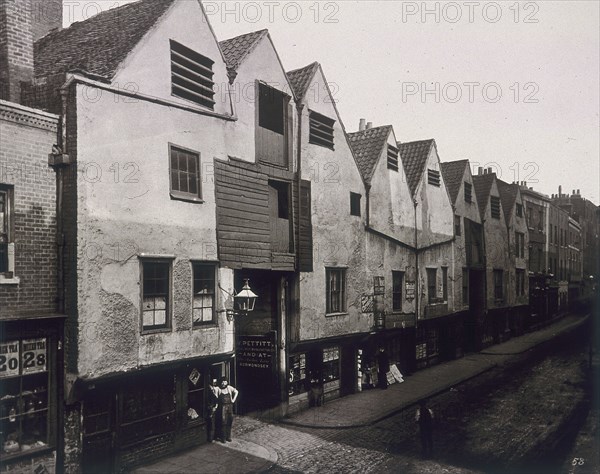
(424, 417)
(212, 405)
(227, 397)
(383, 365)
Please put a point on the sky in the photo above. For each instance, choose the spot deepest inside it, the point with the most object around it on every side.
(508, 85)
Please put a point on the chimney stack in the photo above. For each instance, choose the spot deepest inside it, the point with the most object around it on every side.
(489, 170)
(369, 125)
(578, 193)
(480, 171)
(361, 125)
(22, 22)
(560, 191)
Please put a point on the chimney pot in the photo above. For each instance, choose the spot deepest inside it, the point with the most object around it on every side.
(525, 183)
(369, 125)
(480, 170)
(361, 125)
(490, 170)
(578, 193)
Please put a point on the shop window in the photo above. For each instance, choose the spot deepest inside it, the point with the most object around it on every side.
(196, 396)
(397, 281)
(148, 408)
(6, 263)
(24, 396)
(465, 286)
(203, 306)
(298, 381)
(354, 204)
(321, 130)
(431, 285)
(156, 289)
(192, 75)
(336, 290)
(331, 364)
(185, 173)
(498, 284)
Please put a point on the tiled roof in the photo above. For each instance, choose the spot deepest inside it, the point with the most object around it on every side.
(97, 45)
(453, 172)
(367, 146)
(414, 157)
(237, 48)
(508, 196)
(300, 79)
(483, 185)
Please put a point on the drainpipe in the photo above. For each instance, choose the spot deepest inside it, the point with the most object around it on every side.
(417, 278)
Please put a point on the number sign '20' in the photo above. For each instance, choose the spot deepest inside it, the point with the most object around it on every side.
(22, 357)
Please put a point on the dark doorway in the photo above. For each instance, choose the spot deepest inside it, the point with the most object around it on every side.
(473, 321)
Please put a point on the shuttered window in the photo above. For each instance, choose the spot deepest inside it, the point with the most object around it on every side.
(321, 130)
(271, 103)
(495, 207)
(433, 177)
(392, 157)
(192, 75)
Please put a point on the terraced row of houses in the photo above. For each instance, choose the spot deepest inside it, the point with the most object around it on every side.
(140, 189)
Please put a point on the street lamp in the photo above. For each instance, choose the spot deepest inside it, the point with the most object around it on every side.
(243, 302)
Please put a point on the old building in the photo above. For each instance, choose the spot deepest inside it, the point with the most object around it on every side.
(468, 271)
(518, 253)
(497, 263)
(31, 305)
(437, 331)
(574, 263)
(558, 232)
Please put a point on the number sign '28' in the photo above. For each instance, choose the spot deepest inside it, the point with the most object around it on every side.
(22, 357)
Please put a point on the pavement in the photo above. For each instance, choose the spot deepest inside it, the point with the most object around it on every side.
(359, 410)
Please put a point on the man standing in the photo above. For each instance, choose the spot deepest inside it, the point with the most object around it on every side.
(212, 403)
(383, 365)
(227, 397)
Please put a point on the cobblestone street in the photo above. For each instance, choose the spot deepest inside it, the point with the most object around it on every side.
(508, 420)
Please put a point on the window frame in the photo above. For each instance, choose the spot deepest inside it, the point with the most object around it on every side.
(343, 309)
(468, 195)
(519, 210)
(169, 303)
(457, 225)
(264, 116)
(183, 195)
(434, 177)
(8, 232)
(397, 294)
(519, 282)
(355, 199)
(207, 101)
(215, 272)
(495, 203)
(393, 157)
(498, 295)
(431, 275)
(324, 136)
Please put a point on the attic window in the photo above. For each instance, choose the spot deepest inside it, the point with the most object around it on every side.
(495, 206)
(392, 157)
(192, 75)
(271, 109)
(354, 204)
(433, 177)
(321, 130)
(468, 192)
(519, 210)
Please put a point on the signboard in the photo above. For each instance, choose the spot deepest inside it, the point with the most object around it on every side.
(257, 352)
(396, 373)
(378, 285)
(410, 290)
(34, 356)
(9, 359)
(366, 303)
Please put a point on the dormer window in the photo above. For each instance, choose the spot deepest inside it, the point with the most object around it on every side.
(321, 130)
(392, 157)
(192, 75)
(433, 177)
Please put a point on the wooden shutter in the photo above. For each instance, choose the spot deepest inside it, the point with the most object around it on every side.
(306, 243)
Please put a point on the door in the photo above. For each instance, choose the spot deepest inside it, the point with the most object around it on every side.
(98, 432)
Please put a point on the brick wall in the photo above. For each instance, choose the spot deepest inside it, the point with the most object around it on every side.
(27, 138)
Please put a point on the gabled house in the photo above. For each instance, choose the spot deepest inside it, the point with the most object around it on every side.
(146, 296)
(497, 264)
(518, 252)
(433, 238)
(468, 277)
(325, 334)
(390, 250)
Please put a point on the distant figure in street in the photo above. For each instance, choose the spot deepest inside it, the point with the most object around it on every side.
(383, 367)
(424, 417)
(212, 403)
(227, 397)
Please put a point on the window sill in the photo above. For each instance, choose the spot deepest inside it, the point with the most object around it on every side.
(186, 197)
(149, 332)
(9, 280)
(206, 325)
(332, 315)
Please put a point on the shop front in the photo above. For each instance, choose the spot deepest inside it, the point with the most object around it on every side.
(31, 361)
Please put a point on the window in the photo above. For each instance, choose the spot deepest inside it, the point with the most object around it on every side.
(465, 286)
(321, 130)
(495, 207)
(192, 75)
(24, 396)
(298, 380)
(185, 173)
(397, 281)
(468, 192)
(336, 290)
(5, 216)
(203, 304)
(541, 220)
(331, 364)
(498, 284)
(433, 177)
(156, 289)
(392, 157)
(431, 285)
(196, 395)
(519, 210)
(519, 245)
(445, 283)
(520, 282)
(457, 229)
(354, 204)
(271, 108)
